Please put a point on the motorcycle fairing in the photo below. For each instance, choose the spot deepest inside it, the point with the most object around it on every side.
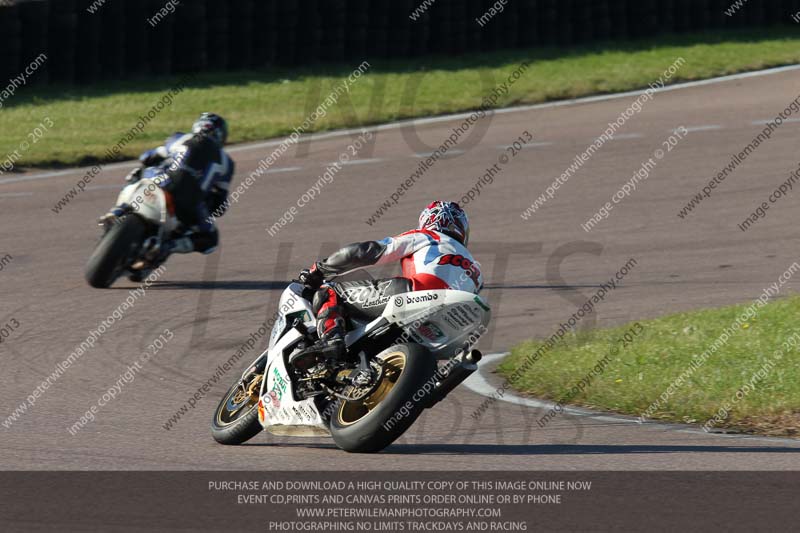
(278, 411)
(443, 321)
(150, 202)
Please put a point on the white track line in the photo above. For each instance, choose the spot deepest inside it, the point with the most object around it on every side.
(478, 384)
(529, 145)
(282, 169)
(31, 177)
(546, 105)
(539, 144)
(624, 136)
(765, 122)
(79, 170)
(709, 127)
(359, 161)
(104, 187)
(428, 154)
(433, 120)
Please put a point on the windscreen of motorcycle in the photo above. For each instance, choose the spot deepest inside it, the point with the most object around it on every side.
(292, 305)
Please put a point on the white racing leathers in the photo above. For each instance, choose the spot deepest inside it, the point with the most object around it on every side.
(430, 260)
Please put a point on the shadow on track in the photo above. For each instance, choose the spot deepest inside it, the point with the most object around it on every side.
(545, 449)
(574, 449)
(490, 287)
(242, 285)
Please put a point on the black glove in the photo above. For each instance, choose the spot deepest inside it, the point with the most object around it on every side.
(134, 175)
(151, 159)
(311, 277)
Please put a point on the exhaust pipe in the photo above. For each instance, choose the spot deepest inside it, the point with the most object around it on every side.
(461, 367)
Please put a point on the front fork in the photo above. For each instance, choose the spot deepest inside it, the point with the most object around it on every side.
(111, 218)
(258, 367)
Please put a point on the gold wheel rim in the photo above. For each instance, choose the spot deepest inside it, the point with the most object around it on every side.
(248, 400)
(352, 412)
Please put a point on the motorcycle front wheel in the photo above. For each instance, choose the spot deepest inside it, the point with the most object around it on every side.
(236, 417)
(115, 251)
(371, 424)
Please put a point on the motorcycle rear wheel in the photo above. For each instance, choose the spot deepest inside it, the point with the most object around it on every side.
(373, 423)
(115, 251)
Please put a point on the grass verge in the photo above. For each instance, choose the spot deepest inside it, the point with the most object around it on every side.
(270, 103)
(749, 384)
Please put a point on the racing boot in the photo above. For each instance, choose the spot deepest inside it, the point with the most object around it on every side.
(154, 256)
(181, 245)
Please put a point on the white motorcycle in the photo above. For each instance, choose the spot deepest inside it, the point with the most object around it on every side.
(368, 399)
(144, 218)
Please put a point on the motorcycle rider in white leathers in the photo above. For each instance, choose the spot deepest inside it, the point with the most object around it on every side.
(434, 256)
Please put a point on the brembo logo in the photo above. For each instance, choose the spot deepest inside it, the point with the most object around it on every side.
(420, 299)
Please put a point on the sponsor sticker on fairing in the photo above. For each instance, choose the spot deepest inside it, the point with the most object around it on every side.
(421, 298)
(431, 331)
(279, 386)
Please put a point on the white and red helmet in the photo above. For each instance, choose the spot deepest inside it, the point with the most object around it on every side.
(447, 218)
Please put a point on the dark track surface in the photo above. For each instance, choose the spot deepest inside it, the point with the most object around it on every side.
(212, 304)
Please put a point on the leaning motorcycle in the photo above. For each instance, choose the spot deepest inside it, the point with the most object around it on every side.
(144, 217)
(406, 360)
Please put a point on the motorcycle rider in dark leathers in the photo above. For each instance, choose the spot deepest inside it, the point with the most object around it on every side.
(197, 172)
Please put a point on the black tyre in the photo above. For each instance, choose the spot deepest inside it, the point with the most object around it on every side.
(116, 250)
(370, 425)
(236, 417)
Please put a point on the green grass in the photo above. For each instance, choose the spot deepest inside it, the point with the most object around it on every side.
(270, 103)
(640, 373)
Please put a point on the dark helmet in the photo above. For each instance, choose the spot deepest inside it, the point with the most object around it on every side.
(212, 126)
(447, 218)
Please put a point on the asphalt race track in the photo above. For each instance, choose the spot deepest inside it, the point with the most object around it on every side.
(539, 272)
